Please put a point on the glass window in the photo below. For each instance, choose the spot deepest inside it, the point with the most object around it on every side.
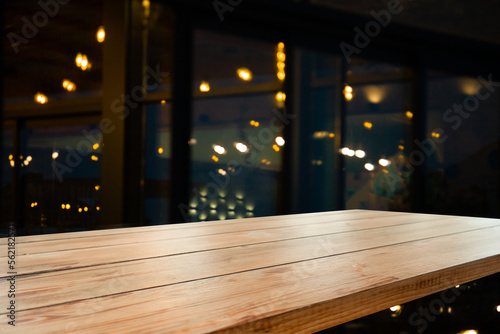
(461, 147)
(317, 108)
(52, 50)
(158, 155)
(237, 126)
(59, 178)
(378, 135)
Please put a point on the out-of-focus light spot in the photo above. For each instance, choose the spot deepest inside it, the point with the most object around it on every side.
(79, 59)
(101, 34)
(350, 153)
(68, 85)
(276, 148)
(63, 206)
(254, 123)
(241, 147)
(203, 216)
(204, 87)
(436, 135)
(498, 308)
(348, 89)
(41, 98)
(281, 46)
(450, 309)
(320, 134)
(280, 97)
(469, 86)
(409, 114)
(85, 63)
(222, 172)
(368, 125)
(214, 158)
(395, 308)
(345, 151)
(384, 162)
(94, 158)
(163, 102)
(360, 154)
(68, 206)
(280, 141)
(375, 94)
(11, 157)
(245, 74)
(55, 155)
(222, 216)
(29, 158)
(97, 187)
(281, 56)
(401, 147)
(281, 75)
(85, 209)
(80, 210)
(331, 135)
(12, 163)
(219, 149)
(192, 141)
(280, 65)
(348, 93)
(160, 150)
(95, 146)
(469, 331)
(369, 167)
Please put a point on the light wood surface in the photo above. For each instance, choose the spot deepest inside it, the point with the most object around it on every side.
(283, 274)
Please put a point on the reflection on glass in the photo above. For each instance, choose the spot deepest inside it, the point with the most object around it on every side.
(158, 155)
(236, 161)
(59, 175)
(378, 136)
(315, 184)
(45, 53)
(461, 148)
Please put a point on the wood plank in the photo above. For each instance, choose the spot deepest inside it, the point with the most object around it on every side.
(260, 227)
(287, 298)
(63, 260)
(216, 227)
(61, 287)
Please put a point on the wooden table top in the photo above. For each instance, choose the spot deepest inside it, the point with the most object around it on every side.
(283, 274)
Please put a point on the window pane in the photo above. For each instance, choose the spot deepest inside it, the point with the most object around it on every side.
(236, 152)
(44, 40)
(462, 129)
(60, 175)
(158, 154)
(315, 184)
(378, 136)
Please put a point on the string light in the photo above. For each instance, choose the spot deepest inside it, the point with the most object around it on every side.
(101, 34)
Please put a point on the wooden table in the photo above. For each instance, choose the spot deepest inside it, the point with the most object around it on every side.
(283, 274)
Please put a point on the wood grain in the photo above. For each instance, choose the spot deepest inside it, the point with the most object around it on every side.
(295, 274)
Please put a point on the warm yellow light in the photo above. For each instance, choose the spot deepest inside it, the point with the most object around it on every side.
(436, 135)
(395, 308)
(160, 150)
(470, 331)
(85, 209)
(281, 56)
(101, 34)
(348, 96)
(222, 171)
(94, 158)
(79, 209)
(84, 63)
(281, 65)
(245, 74)
(12, 163)
(68, 85)
(219, 149)
(375, 94)
(276, 148)
(98, 208)
(68, 206)
(368, 125)
(41, 98)
(214, 158)
(401, 147)
(498, 308)
(11, 157)
(97, 187)
(348, 89)
(79, 59)
(281, 45)
(204, 86)
(280, 97)
(280, 141)
(384, 162)
(63, 206)
(360, 154)
(369, 167)
(95, 146)
(241, 147)
(409, 114)
(331, 135)
(163, 102)
(55, 155)
(281, 75)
